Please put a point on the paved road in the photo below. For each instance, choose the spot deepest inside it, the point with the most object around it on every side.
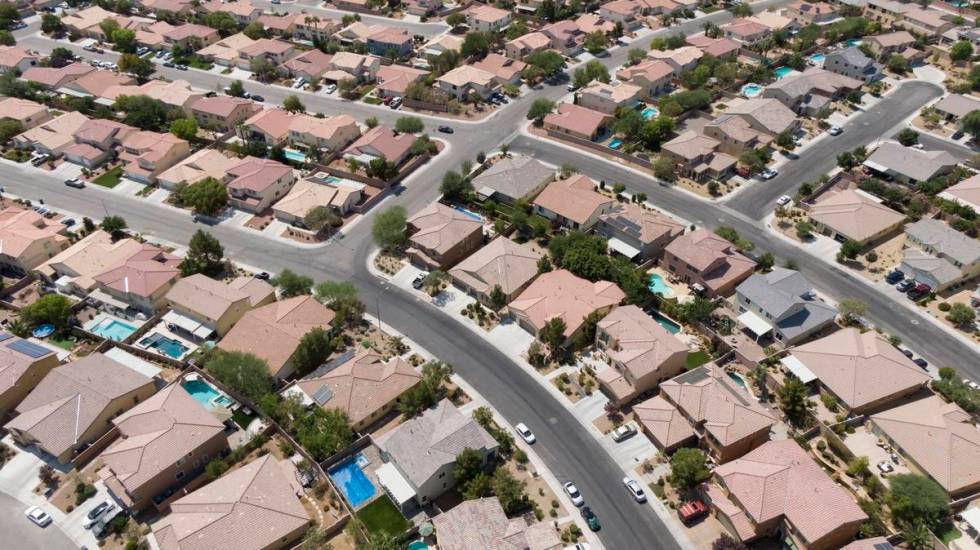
(930, 143)
(19, 533)
(760, 198)
(314, 7)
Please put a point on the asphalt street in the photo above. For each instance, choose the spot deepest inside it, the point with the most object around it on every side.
(931, 143)
(18, 531)
(315, 7)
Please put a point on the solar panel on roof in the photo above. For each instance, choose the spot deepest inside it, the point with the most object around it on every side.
(5, 336)
(331, 365)
(883, 546)
(29, 348)
(323, 394)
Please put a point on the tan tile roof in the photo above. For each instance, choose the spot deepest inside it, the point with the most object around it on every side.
(562, 294)
(642, 345)
(227, 48)
(157, 433)
(258, 290)
(101, 130)
(467, 74)
(252, 507)
(49, 76)
(188, 30)
(502, 262)
(854, 214)
(617, 94)
(240, 8)
(779, 479)
(143, 273)
(312, 62)
(382, 139)
(272, 332)
(771, 113)
(307, 195)
(966, 191)
(653, 71)
(69, 399)
(205, 295)
(745, 27)
(274, 122)
(94, 254)
(691, 145)
(202, 164)
(502, 67)
(55, 134)
(97, 82)
(589, 23)
(280, 23)
(13, 364)
(939, 436)
(481, 523)
(713, 46)
(325, 128)
(256, 174)
(11, 56)
(440, 227)
(266, 46)
(663, 421)
(860, 368)
(223, 106)
(646, 225)
(20, 109)
(532, 41)
(362, 386)
(19, 229)
(716, 259)
(680, 57)
(394, 79)
(487, 14)
(573, 198)
(892, 39)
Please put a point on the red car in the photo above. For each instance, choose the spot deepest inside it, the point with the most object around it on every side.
(692, 511)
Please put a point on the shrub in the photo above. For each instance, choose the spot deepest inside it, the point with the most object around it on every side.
(944, 306)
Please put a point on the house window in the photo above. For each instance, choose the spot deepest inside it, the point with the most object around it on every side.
(180, 475)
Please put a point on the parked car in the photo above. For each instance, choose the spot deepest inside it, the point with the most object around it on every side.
(258, 98)
(181, 67)
(922, 363)
(918, 291)
(768, 174)
(907, 353)
(264, 276)
(212, 93)
(93, 517)
(577, 546)
(525, 433)
(835, 130)
(168, 64)
(784, 200)
(918, 146)
(68, 222)
(38, 516)
(885, 467)
(40, 159)
(905, 285)
(571, 87)
(75, 182)
(957, 134)
(635, 490)
(692, 511)
(298, 82)
(446, 129)
(418, 281)
(894, 276)
(330, 88)
(624, 432)
(572, 491)
(590, 518)
(395, 103)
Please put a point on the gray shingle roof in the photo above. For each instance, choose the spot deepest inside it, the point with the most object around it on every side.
(945, 240)
(788, 296)
(513, 177)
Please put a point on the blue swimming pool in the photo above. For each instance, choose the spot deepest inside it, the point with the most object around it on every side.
(738, 380)
(854, 42)
(658, 286)
(352, 482)
(169, 346)
(113, 329)
(783, 72)
(43, 330)
(418, 545)
(817, 58)
(751, 90)
(616, 143)
(649, 113)
(206, 394)
(671, 326)
(468, 213)
(294, 155)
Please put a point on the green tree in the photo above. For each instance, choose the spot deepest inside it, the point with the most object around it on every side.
(804, 230)
(793, 400)
(914, 498)
(341, 297)
(593, 70)
(292, 284)
(549, 61)
(223, 22)
(595, 42)
(726, 542)
(908, 137)
(553, 334)
(243, 372)
(961, 315)
(320, 217)
(766, 262)
(137, 66)
(497, 298)
(115, 226)
(917, 536)
(455, 187)
(898, 64)
(184, 128)
(60, 57)
(409, 125)
(476, 44)
(428, 391)
(785, 140)
(469, 464)
(263, 69)
(125, 40)
(389, 228)
(108, 26)
(656, 131)
(635, 55)
(541, 108)
(663, 168)
(970, 123)
(292, 104)
(254, 30)
(742, 10)
(9, 128)
(143, 112)
(205, 255)
(51, 24)
(509, 491)
(236, 89)
(313, 349)
(850, 248)
(850, 309)
(50, 308)
(456, 19)
(688, 468)
(207, 197)
(961, 51)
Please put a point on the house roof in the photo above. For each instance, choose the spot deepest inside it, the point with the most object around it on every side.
(892, 39)
(852, 56)
(280, 23)
(395, 79)
(227, 48)
(481, 523)
(325, 128)
(939, 436)
(223, 106)
(779, 479)
(188, 30)
(155, 434)
(770, 113)
(143, 273)
(254, 506)
(256, 174)
(966, 192)
(422, 445)
(745, 27)
(577, 119)
(266, 46)
(643, 224)
(273, 331)
(20, 109)
(94, 254)
(642, 346)
(562, 294)
(788, 297)
(589, 23)
(653, 71)
(97, 82)
(101, 130)
(713, 257)
(383, 140)
(927, 18)
(532, 41)
(503, 262)
(202, 164)
(716, 47)
(20, 229)
(854, 214)
(466, 75)
(958, 105)
(691, 145)
(813, 79)
(618, 93)
(860, 368)
(663, 421)
(274, 122)
(15, 363)
(680, 57)
(57, 133)
(258, 291)
(911, 163)
(361, 386)
(502, 67)
(11, 56)
(440, 227)
(50, 76)
(707, 395)
(306, 195)
(922, 263)
(204, 295)
(313, 62)
(945, 240)
(515, 176)
(573, 198)
(487, 14)
(71, 397)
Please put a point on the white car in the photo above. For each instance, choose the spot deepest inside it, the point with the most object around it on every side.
(38, 516)
(298, 82)
(835, 130)
(783, 200)
(96, 514)
(525, 433)
(572, 491)
(577, 546)
(634, 488)
(885, 467)
(768, 174)
(330, 88)
(623, 432)
(917, 146)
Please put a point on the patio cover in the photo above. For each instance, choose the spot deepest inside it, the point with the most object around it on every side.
(104, 298)
(972, 516)
(190, 325)
(798, 369)
(756, 324)
(623, 248)
(875, 166)
(395, 485)
(143, 367)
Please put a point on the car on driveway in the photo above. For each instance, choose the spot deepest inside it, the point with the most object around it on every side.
(918, 291)
(577, 546)
(835, 130)
(590, 518)
(624, 432)
(264, 276)
(96, 513)
(395, 103)
(330, 88)
(905, 285)
(75, 182)
(38, 516)
(635, 490)
(525, 433)
(894, 276)
(258, 98)
(572, 491)
(419, 280)
(768, 174)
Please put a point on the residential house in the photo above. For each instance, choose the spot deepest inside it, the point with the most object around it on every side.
(467, 79)
(440, 236)
(16, 58)
(190, 36)
(223, 112)
(811, 90)
(727, 420)
(590, 23)
(365, 387)
(682, 59)
(751, 124)
(782, 302)
(349, 65)
(855, 215)
(272, 49)
(381, 142)
(719, 48)
(420, 453)
(393, 80)
(96, 83)
(151, 36)
(523, 46)
(28, 113)
(512, 178)
(778, 490)
(257, 183)
(481, 523)
(641, 353)
(606, 98)
(577, 122)
(146, 154)
(176, 93)
(139, 285)
(357, 33)
(503, 265)
(310, 193)
(331, 133)
(745, 30)
(811, 13)
(886, 12)
(653, 77)
(259, 292)
(664, 425)
(97, 141)
(270, 126)
(86, 22)
(242, 10)
(281, 25)
(22, 366)
(53, 136)
(73, 271)
(28, 240)
(965, 193)
(697, 156)
(272, 332)
(566, 37)
(202, 308)
(423, 7)
(206, 163)
(883, 45)
(852, 62)
(624, 12)
(707, 261)
(505, 71)
(309, 65)
(637, 232)
(561, 294)
(164, 443)
(774, 21)
(484, 18)
(257, 506)
(74, 404)
(941, 256)
(226, 52)
(441, 44)
(50, 78)
(909, 165)
(956, 106)
(863, 371)
(937, 438)
(927, 22)
(390, 41)
(572, 203)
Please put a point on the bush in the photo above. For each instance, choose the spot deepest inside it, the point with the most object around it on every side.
(944, 306)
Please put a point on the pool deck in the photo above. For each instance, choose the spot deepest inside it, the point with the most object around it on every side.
(161, 328)
(679, 290)
(105, 317)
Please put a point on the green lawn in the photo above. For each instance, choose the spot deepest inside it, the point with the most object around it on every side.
(381, 515)
(696, 359)
(63, 343)
(241, 418)
(948, 533)
(110, 179)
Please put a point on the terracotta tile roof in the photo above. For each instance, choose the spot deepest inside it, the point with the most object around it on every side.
(258, 290)
(188, 30)
(653, 71)
(965, 192)
(645, 225)
(439, 227)
(280, 23)
(50, 77)
(143, 273)
(55, 134)
(100, 130)
(394, 79)
(202, 164)
(274, 122)
(13, 363)
(573, 198)
(716, 259)
(256, 174)
(254, 506)
(663, 421)
(641, 344)
(222, 106)
(562, 294)
(71, 397)
(11, 56)
(502, 262)
(680, 57)
(779, 479)
(383, 140)
(227, 48)
(97, 82)
(716, 47)
(502, 67)
(854, 214)
(532, 41)
(481, 523)
(266, 46)
(239, 8)
(487, 14)
(745, 27)
(20, 229)
(312, 62)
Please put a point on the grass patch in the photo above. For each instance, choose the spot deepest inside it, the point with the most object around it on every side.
(241, 418)
(947, 533)
(696, 358)
(372, 100)
(63, 343)
(110, 179)
(17, 155)
(658, 490)
(381, 515)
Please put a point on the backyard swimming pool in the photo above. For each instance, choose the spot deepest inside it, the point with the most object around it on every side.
(817, 58)
(113, 329)
(352, 482)
(294, 155)
(418, 545)
(751, 90)
(658, 286)
(738, 380)
(169, 346)
(468, 213)
(205, 394)
(854, 42)
(649, 113)
(671, 326)
(783, 72)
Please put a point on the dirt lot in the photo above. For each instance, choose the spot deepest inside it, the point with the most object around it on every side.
(889, 255)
